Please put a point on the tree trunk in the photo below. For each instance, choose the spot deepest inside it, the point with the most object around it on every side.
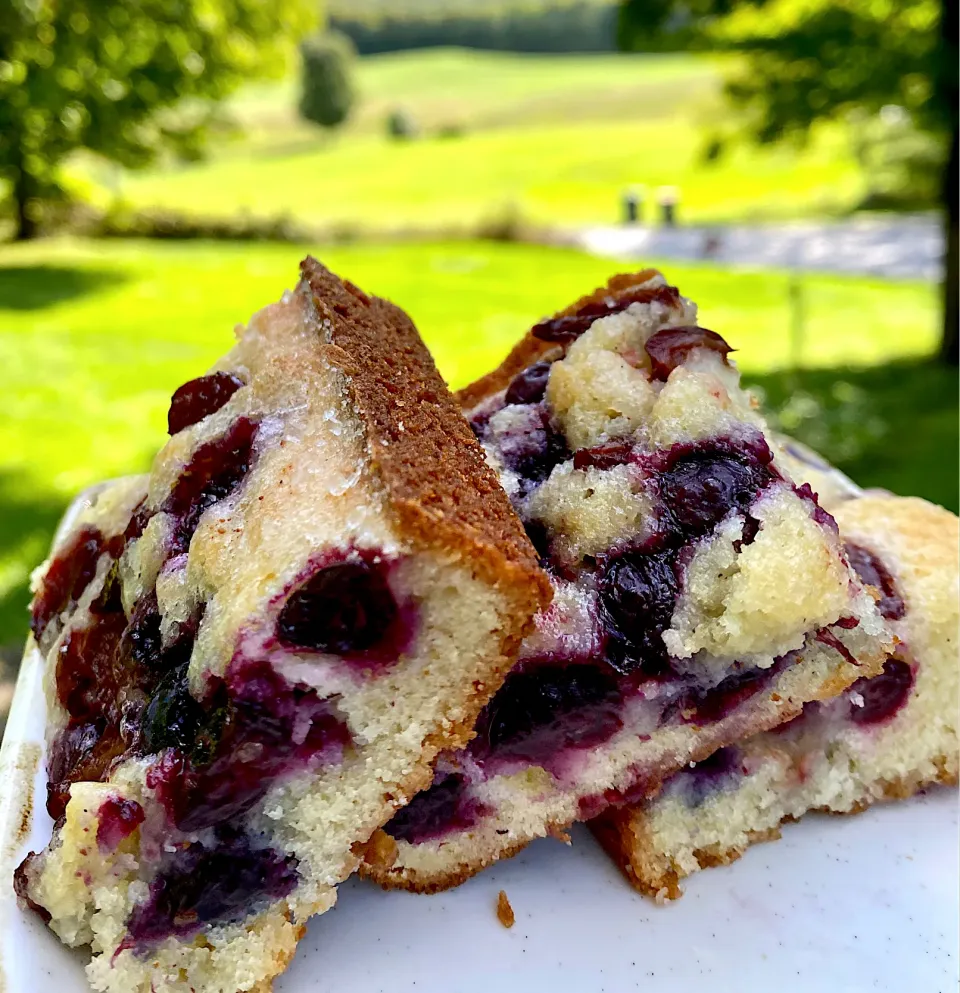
(950, 342)
(23, 191)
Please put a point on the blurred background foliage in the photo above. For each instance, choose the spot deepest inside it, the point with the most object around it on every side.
(163, 167)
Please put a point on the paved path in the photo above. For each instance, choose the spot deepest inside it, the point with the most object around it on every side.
(902, 247)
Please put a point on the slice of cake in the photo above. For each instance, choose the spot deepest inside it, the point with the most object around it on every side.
(699, 595)
(883, 738)
(255, 653)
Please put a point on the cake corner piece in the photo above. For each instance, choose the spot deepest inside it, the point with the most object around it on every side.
(252, 653)
(884, 738)
(700, 594)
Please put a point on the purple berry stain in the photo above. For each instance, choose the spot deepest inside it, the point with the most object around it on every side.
(117, 819)
(539, 713)
(529, 385)
(873, 572)
(435, 811)
(200, 886)
(200, 398)
(884, 695)
(66, 578)
(671, 347)
(216, 468)
(342, 609)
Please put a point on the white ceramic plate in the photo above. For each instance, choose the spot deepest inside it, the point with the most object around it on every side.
(839, 904)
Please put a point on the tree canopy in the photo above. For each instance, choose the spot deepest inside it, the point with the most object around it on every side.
(810, 60)
(107, 75)
(327, 90)
(807, 60)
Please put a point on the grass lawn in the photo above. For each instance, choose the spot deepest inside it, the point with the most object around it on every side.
(556, 139)
(95, 337)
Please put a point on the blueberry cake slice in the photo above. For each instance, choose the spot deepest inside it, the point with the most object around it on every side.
(883, 738)
(255, 653)
(699, 595)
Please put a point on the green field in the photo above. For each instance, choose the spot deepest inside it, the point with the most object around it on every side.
(555, 139)
(95, 337)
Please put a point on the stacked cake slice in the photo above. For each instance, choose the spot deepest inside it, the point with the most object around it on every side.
(885, 737)
(254, 653)
(699, 595)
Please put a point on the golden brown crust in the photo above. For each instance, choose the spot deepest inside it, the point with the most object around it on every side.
(613, 829)
(647, 875)
(407, 879)
(529, 349)
(440, 489)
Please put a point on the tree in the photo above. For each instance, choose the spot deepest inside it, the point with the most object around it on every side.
(328, 93)
(812, 60)
(125, 80)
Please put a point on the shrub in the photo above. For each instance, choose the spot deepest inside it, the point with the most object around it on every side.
(328, 92)
(401, 125)
(498, 25)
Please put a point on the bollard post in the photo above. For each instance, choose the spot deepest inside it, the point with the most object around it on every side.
(632, 206)
(795, 290)
(668, 198)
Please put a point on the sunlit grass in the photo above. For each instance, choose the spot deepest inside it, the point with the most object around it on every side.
(556, 139)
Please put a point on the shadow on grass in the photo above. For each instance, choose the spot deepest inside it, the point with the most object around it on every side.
(37, 286)
(27, 523)
(893, 426)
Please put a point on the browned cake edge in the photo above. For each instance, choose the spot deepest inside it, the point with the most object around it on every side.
(439, 485)
(530, 349)
(440, 491)
(645, 872)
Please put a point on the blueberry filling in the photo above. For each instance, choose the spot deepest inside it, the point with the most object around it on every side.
(638, 593)
(569, 327)
(219, 758)
(441, 808)
(709, 776)
(550, 708)
(539, 538)
(199, 886)
(529, 385)
(216, 468)
(873, 572)
(699, 489)
(200, 398)
(86, 672)
(606, 456)
(174, 718)
(66, 578)
(342, 609)
(104, 675)
(882, 695)
(82, 751)
(671, 347)
(701, 707)
(533, 449)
